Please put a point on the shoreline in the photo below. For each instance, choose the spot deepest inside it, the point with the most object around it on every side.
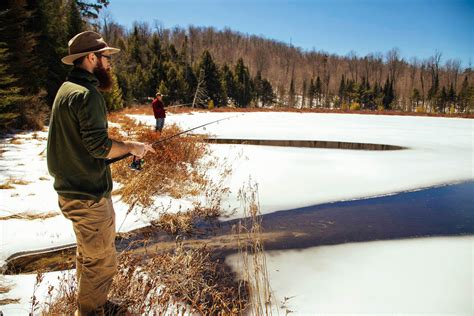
(434, 212)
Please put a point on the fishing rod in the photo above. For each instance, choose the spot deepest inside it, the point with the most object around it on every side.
(137, 163)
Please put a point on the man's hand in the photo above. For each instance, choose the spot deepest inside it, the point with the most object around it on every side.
(140, 149)
(120, 148)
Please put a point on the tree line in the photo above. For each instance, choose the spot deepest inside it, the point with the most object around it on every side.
(199, 65)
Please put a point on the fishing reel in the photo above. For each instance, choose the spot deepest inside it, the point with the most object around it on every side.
(137, 163)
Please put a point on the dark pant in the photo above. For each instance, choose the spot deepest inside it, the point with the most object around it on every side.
(160, 122)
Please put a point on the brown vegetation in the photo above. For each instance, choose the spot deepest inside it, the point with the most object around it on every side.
(29, 216)
(10, 182)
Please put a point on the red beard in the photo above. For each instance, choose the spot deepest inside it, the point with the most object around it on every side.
(104, 77)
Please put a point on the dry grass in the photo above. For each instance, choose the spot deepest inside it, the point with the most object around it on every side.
(185, 222)
(10, 182)
(4, 288)
(169, 283)
(177, 168)
(16, 141)
(5, 301)
(250, 243)
(60, 300)
(6, 186)
(184, 280)
(29, 216)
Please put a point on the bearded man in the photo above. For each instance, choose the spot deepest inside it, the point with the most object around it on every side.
(78, 146)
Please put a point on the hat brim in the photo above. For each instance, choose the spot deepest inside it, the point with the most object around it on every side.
(69, 59)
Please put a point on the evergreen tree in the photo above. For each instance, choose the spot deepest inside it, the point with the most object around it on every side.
(267, 94)
(442, 99)
(114, 98)
(243, 84)
(75, 24)
(173, 54)
(10, 93)
(228, 84)
(16, 33)
(173, 86)
(211, 82)
(388, 94)
(91, 9)
(451, 96)
(463, 99)
(188, 83)
(350, 91)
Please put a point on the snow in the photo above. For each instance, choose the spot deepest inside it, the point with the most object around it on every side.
(432, 276)
(23, 289)
(440, 152)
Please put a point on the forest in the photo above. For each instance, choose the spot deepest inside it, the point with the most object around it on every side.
(202, 67)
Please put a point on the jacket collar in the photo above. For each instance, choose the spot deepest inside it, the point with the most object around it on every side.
(79, 74)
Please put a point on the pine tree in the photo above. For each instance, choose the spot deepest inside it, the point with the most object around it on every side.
(16, 33)
(114, 98)
(442, 99)
(451, 96)
(10, 93)
(228, 84)
(243, 83)
(267, 94)
(92, 9)
(189, 83)
(173, 85)
(210, 73)
(75, 24)
(463, 97)
(388, 94)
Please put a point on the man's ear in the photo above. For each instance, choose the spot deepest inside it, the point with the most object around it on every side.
(91, 58)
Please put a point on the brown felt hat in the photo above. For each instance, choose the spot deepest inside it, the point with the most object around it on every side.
(85, 43)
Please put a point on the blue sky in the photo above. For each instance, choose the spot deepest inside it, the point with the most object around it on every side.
(417, 28)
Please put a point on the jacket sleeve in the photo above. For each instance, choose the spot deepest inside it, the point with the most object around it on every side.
(154, 105)
(92, 118)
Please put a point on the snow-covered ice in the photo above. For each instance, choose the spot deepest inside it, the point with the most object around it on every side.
(440, 151)
(425, 276)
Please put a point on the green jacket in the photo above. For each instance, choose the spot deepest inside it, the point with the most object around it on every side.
(78, 142)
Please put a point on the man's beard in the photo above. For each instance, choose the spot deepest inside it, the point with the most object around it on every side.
(104, 77)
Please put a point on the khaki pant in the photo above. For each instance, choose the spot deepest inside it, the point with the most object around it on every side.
(96, 261)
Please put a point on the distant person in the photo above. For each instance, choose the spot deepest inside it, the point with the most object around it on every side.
(159, 112)
(78, 146)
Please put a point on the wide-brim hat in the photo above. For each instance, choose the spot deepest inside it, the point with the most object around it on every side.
(85, 43)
